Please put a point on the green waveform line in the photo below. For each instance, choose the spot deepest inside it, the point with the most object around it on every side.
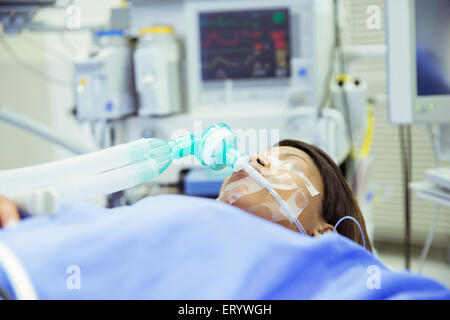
(223, 22)
(250, 58)
(219, 22)
(252, 23)
(222, 60)
(219, 59)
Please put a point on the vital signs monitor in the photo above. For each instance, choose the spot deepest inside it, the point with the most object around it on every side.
(250, 53)
(418, 37)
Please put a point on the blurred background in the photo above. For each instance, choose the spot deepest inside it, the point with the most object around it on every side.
(100, 73)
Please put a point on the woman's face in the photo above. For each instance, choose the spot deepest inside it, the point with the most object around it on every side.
(273, 164)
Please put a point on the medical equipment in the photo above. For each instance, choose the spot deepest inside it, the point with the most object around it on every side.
(157, 71)
(301, 20)
(418, 38)
(16, 15)
(104, 79)
(247, 54)
(431, 191)
(439, 176)
(40, 188)
(443, 143)
(355, 90)
(418, 34)
(257, 101)
(357, 224)
(328, 132)
(203, 181)
(436, 189)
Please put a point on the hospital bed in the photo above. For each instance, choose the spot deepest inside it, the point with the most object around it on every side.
(179, 247)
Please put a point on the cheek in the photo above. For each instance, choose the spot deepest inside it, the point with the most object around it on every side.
(286, 223)
(254, 199)
(310, 217)
(307, 219)
(224, 184)
(261, 211)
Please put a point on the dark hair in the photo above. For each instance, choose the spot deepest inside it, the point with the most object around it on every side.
(338, 200)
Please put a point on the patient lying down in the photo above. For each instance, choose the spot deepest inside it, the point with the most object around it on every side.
(303, 175)
(293, 167)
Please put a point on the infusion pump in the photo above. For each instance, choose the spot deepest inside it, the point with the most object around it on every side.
(250, 54)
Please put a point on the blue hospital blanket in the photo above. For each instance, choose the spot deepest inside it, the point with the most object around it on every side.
(179, 247)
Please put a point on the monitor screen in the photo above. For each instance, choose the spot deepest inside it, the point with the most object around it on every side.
(432, 19)
(248, 44)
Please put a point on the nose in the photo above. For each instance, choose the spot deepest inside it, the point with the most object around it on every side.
(261, 160)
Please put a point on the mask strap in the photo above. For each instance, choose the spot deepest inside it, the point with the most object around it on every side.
(357, 223)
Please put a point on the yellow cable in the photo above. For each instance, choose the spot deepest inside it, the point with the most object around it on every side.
(369, 133)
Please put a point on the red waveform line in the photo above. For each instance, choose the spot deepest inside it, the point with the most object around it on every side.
(251, 35)
(214, 36)
(257, 46)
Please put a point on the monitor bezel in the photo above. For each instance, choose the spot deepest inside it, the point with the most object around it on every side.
(244, 80)
(197, 86)
(439, 101)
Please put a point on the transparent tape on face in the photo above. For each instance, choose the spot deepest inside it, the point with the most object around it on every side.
(276, 163)
(285, 180)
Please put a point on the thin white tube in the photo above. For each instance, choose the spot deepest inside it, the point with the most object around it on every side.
(41, 175)
(266, 185)
(16, 274)
(429, 240)
(41, 130)
(430, 236)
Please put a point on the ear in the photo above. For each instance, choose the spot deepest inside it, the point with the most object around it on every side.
(328, 228)
(323, 228)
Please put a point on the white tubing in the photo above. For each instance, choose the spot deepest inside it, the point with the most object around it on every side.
(46, 200)
(266, 185)
(16, 274)
(429, 240)
(107, 182)
(32, 177)
(430, 236)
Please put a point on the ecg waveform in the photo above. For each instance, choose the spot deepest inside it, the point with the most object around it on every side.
(213, 36)
(245, 44)
(219, 60)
